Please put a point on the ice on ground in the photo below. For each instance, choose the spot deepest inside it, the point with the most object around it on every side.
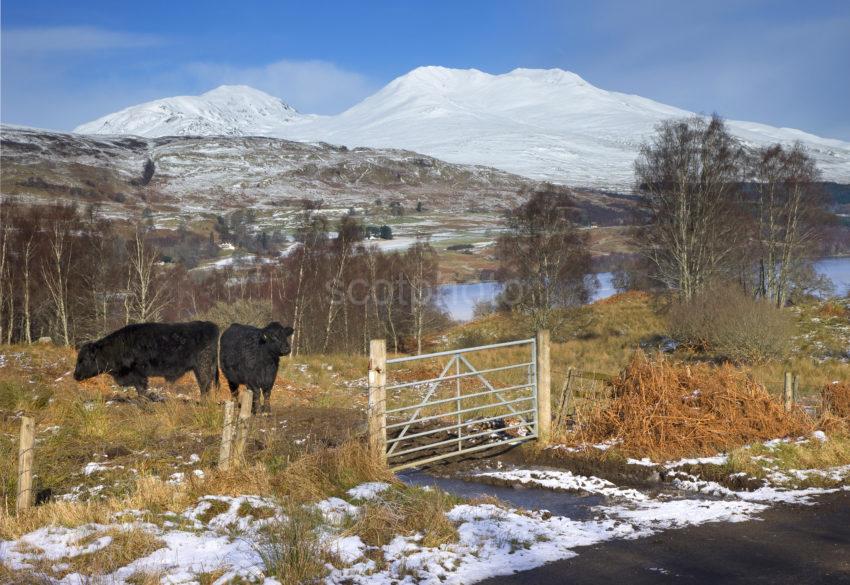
(347, 548)
(95, 467)
(658, 515)
(222, 533)
(492, 541)
(565, 481)
(720, 459)
(187, 554)
(765, 494)
(52, 543)
(336, 510)
(238, 515)
(644, 461)
(368, 491)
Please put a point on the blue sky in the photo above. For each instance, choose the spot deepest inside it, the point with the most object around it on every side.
(785, 63)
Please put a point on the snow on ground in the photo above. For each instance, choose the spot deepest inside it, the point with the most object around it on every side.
(368, 491)
(195, 547)
(492, 541)
(224, 533)
(564, 481)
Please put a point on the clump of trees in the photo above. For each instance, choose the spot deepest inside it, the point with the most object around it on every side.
(713, 210)
(73, 276)
(544, 262)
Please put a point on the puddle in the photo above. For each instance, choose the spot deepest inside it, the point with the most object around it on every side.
(573, 506)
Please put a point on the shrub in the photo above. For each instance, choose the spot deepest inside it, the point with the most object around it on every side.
(665, 411)
(247, 312)
(723, 320)
(835, 399)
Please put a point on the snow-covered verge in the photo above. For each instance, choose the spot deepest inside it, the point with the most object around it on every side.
(225, 537)
(199, 541)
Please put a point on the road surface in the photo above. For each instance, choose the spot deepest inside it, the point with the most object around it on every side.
(796, 545)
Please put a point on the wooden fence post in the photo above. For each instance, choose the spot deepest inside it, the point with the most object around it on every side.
(25, 459)
(795, 390)
(544, 385)
(788, 392)
(561, 415)
(378, 399)
(246, 398)
(227, 434)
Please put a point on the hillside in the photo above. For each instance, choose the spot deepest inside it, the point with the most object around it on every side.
(196, 174)
(544, 124)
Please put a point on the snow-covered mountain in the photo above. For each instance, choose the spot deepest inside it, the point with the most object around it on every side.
(229, 110)
(544, 124)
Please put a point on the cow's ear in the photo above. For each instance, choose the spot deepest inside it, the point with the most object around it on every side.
(287, 331)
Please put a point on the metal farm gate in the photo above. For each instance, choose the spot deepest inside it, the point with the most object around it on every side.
(456, 402)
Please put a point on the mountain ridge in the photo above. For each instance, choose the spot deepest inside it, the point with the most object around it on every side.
(545, 124)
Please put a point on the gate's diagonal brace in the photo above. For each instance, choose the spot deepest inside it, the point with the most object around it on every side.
(494, 390)
(423, 404)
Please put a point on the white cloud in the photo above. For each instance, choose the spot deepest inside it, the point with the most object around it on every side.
(315, 87)
(39, 40)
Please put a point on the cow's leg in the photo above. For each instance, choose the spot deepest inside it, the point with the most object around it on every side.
(255, 402)
(234, 389)
(267, 395)
(141, 384)
(203, 378)
(206, 369)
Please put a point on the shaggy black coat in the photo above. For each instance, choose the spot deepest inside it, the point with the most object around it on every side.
(250, 356)
(135, 352)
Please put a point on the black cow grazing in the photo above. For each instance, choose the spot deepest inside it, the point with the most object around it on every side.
(135, 352)
(251, 356)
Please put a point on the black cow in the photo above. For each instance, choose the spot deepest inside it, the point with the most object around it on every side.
(251, 356)
(135, 352)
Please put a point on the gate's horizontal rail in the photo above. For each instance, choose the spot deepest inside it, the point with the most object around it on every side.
(410, 358)
(461, 397)
(461, 411)
(456, 376)
(468, 423)
(464, 438)
(420, 462)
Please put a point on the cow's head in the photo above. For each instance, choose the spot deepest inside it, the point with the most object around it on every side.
(87, 362)
(276, 337)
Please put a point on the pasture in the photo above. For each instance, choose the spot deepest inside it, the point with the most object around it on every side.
(111, 467)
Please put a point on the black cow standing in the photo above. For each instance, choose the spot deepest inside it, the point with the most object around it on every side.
(136, 352)
(250, 356)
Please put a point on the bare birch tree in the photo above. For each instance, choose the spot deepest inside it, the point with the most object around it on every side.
(788, 205)
(349, 232)
(543, 258)
(145, 296)
(420, 274)
(5, 233)
(56, 272)
(689, 178)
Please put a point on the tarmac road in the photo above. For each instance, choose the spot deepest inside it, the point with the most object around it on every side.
(790, 544)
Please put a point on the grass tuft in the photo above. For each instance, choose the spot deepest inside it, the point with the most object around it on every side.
(329, 472)
(291, 550)
(126, 546)
(407, 511)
